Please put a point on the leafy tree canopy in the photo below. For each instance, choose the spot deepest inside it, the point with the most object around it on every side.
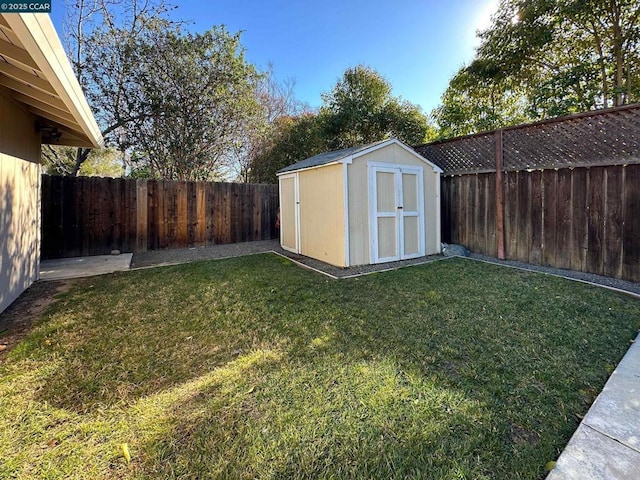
(545, 58)
(199, 89)
(360, 109)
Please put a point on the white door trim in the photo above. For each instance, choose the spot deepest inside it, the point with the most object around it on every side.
(345, 186)
(418, 171)
(296, 199)
(373, 168)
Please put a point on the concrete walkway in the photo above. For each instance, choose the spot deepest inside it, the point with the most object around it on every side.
(606, 445)
(76, 267)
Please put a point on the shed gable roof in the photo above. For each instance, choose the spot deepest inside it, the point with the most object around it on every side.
(347, 154)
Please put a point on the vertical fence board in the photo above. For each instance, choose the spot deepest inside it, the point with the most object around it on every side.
(153, 215)
(474, 214)
(192, 214)
(510, 215)
(118, 235)
(491, 217)
(537, 226)
(445, 209)
(142, 218)
(631, 230)
(216, 211)
(595, 221)
(201, 215)
(564, 200)
(182, 214)
(483, 213)
(550, 180)
(97, 229)
(613, 221)
(57, 239)
(524, 217)
(246, 210)
(253, 217)
(211, 217)
(235, 228)
(87, 227)
(463, 209)
(71, 240)
(455, 209)
(579, 219)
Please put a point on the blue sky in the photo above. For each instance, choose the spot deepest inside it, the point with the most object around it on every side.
(417, 45)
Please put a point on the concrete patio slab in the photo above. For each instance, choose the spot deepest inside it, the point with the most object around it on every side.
(606, 444)
(76, 267)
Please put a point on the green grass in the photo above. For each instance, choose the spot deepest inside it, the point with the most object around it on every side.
(255, 368)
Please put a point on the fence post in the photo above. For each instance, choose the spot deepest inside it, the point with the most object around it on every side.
(499, 196)
(141, 215)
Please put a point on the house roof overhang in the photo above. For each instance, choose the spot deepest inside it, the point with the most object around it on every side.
(35, 72)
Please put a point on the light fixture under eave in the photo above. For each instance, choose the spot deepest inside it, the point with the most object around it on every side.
(49, 134)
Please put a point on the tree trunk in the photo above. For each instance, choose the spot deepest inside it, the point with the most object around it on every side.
(618, 55)
(81, 156)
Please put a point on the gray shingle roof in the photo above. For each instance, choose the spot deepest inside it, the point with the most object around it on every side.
(327, 157)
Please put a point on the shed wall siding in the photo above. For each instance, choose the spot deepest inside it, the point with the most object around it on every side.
(359, 208)
(19, 201)
(322, 233)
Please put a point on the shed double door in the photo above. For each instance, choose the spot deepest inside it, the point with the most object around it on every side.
(396, 201)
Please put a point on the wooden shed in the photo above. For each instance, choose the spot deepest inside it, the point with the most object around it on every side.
(369, 204)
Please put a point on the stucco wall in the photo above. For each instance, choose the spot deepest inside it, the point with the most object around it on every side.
(322, 233)
(19, 201)
(359, 207)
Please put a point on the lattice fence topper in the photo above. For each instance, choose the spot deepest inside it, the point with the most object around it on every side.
(605, 137)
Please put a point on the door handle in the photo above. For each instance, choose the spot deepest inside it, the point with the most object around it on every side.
(399, 208)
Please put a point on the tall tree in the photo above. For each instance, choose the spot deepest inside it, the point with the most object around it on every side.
(472, 105)
(590, 48)
(557, 56)
(199, 90)
(99, 38)
(275, 102)
(290, 139)
(103, 162)
(360, 109)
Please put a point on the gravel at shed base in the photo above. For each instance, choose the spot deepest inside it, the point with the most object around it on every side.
(625, 285)
(156, 258)
(354, 271)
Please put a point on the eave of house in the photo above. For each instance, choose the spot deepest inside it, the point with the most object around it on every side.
(35, 72)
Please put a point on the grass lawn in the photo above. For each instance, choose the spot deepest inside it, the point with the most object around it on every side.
(255, 368)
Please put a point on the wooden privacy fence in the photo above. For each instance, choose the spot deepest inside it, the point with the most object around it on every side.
(563, 192)
(585, 219)
(93, 216)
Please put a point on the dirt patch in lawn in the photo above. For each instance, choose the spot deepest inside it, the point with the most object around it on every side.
(16, 321)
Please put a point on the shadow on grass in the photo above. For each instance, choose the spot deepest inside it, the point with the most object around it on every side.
(456, 368)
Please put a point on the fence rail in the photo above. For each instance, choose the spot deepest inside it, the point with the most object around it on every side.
(93, 216)
(585, 219)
